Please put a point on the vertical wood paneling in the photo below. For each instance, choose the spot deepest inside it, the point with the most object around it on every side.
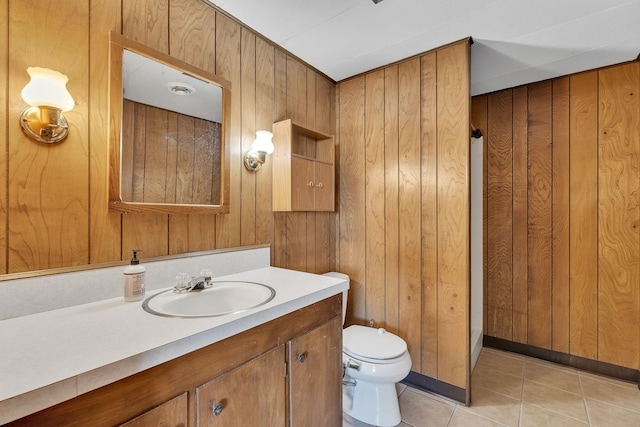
(352, 191)
(374, 196)
(147, 22)
(410, 283)
(499, 206)
(75, 179)
(325, 259)
(296, 222)
(560, 215)
(429, 211)
(4, 144)
(104, 226)
(248, 120)
(453, 214)
(618, 215)
(280, 255)
(578, 136)
(520, 253)
(228, 59)
(311, 216)
(392, 303)
(583, 216)
(48, 199)
(265, 85)
(192, 30)
(539, 215)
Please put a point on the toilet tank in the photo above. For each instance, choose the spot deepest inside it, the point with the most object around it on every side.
(344, 293)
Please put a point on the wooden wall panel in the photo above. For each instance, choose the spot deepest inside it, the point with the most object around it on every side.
(583, 215)
(403, 133)
(409, 188)
(228, 60)
(454, 209)
(579, 137)
(248, 121)
(429, 209)
(352, 195)
(618, 215)
(147, 22)
(265, 85)
(391, 224)
(4, 143)
(104, 226)
(374, 196)
(194, 32)
(499, 208)
(48, 197)
(520, 253)
(539, 214)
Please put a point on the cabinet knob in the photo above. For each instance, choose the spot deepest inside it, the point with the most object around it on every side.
(319, 185)
(217, 408)
(310, 184)
(302, 357)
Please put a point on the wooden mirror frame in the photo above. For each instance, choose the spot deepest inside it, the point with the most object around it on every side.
(118, 43)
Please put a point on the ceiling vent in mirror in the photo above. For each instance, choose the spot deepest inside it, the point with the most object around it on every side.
(181, 89)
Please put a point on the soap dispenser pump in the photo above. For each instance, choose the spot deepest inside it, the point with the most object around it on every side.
(134, 275)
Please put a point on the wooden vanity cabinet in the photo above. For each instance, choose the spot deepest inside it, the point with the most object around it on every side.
(303, 168)
(247, 373)
(315, 374)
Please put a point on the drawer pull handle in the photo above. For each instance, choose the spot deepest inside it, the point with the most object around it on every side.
(217, 409)
(302, 357)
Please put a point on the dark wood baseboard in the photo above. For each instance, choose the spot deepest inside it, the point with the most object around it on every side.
(583, 363)
(426, 383)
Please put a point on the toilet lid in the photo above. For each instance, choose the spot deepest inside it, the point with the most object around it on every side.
(372, 343)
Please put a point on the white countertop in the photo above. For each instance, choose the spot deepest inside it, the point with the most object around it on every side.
(50, 357)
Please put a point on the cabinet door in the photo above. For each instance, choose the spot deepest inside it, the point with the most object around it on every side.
(324, 191)
(253, 394)
(315, 376)
(302, 184)
(170, 414)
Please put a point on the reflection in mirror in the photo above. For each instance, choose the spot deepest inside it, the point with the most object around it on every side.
(172, 150)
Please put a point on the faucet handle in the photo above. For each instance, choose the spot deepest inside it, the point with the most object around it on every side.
(206, 275)
(182, 282)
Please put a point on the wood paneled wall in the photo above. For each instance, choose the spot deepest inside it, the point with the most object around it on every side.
(404, 143)
(563, 238)
(55, 210)
(170, 157)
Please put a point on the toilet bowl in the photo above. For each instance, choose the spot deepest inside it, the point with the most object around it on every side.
(374, 360)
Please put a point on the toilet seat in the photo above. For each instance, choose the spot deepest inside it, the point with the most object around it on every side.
(372, 345)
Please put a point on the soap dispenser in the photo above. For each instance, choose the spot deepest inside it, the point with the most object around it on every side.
(134, 279)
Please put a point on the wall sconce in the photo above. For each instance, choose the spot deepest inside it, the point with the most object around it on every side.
(262, 146)
(48, 96)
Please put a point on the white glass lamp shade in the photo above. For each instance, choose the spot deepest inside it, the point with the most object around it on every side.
(263, 142)
(47, 88)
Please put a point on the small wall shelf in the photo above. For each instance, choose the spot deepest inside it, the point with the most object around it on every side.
(303, 168)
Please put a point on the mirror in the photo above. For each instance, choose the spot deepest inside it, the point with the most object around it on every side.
(169, 130)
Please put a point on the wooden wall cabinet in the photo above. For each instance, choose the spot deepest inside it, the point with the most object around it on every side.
(284, 372)
(303, 168)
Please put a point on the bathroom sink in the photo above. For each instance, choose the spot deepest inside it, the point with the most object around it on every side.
(224, 297)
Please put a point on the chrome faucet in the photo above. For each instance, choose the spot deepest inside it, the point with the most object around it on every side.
(186, 283)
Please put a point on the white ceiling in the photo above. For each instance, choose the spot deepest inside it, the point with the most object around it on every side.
(515, 41)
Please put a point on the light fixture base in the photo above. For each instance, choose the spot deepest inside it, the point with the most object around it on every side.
(253, 160)
(44, 124)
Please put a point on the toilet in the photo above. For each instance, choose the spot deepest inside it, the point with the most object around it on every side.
(374, 360)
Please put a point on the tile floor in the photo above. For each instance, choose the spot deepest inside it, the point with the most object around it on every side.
(513, 390)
